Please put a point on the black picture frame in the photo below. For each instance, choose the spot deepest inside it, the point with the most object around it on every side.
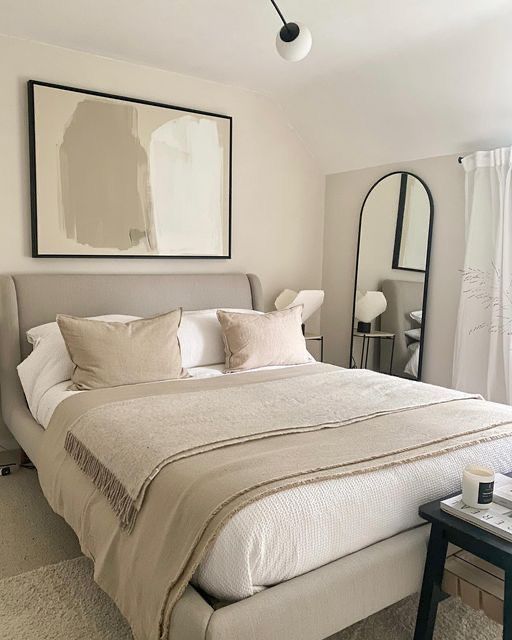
(427, 265)
(31, 84)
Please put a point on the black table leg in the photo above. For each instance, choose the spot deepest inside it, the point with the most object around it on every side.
(431, 592)
(507, 606)
(392, 354)
(322, 349)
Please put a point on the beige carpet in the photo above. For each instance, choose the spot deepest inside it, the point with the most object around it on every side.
(61, 601)
(31, 535)
(58, 601)
(455, 621)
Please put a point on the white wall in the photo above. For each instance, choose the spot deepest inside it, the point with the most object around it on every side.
(278, 193)
(345, 193)
(278, 190)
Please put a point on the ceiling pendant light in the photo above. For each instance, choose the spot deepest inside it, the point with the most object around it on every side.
(293, 42)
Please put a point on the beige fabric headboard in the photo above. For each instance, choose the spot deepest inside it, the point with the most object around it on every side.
(27, 300)
(40, 296)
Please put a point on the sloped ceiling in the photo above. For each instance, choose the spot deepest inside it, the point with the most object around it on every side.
(386, 80)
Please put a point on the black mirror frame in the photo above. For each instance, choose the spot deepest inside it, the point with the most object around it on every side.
(395, 263)
(427, 265)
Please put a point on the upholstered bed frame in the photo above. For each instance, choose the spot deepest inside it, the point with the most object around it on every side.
(309, 607)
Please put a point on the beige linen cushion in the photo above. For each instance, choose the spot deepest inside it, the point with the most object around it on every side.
(109, 354)
(263, 340)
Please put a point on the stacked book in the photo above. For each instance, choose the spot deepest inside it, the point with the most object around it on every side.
(497, 519)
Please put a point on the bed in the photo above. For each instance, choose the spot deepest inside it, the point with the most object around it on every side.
(373, 569)
(403, 297)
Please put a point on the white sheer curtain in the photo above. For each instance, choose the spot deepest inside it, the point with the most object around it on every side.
(483, 344)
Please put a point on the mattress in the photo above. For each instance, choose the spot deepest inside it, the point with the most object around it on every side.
(295, 531)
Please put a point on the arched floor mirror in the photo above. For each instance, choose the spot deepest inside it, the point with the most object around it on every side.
(392, 268)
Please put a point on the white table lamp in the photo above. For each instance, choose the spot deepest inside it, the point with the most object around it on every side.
(368, 307)
(311, 299)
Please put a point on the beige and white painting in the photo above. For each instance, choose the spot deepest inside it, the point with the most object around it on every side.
(118, 177)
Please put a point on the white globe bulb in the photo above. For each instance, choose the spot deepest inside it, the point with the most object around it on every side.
(297, 49)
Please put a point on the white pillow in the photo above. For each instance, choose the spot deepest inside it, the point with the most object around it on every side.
(43, 330)
(414, 334)
(49, 363)
(200, 337)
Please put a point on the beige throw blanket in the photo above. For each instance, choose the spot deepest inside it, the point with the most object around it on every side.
(123, 459)
(231, 440)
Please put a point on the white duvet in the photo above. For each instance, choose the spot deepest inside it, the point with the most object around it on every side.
(295, 531)
(413, 364)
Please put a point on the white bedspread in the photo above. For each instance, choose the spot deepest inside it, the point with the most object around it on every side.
(290, 533)
(412, 366)
(293, 532)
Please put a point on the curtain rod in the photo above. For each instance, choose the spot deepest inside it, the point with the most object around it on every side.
(460, 159)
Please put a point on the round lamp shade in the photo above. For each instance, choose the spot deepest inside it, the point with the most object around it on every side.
(297, 48)
(285, 299)
(370, 305)
(310, 299)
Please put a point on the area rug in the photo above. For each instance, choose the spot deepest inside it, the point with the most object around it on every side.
(455, 621)
(61, 601)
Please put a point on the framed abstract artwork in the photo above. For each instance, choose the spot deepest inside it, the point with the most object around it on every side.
(120, 177)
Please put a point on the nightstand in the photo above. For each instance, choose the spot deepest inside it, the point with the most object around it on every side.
(316, 338)
(470, 538)
(374, 335)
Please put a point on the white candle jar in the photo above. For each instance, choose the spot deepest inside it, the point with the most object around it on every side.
(477, 486)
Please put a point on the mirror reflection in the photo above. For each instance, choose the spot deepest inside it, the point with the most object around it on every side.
(391, 276)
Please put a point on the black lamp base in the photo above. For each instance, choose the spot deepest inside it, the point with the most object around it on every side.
(364, 327)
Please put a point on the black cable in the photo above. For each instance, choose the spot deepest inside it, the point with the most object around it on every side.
(279, 12)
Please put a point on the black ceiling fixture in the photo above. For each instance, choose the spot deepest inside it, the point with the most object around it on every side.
(293, 42)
